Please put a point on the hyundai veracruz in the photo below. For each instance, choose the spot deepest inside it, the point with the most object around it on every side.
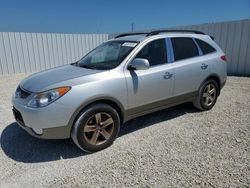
(123, 78)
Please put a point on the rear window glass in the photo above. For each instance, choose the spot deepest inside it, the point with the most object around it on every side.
(205, 47)
(184, 48)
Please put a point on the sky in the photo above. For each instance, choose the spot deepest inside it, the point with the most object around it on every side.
(112, 16)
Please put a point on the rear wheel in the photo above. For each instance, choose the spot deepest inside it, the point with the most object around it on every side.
(207, 95)
(96, 128)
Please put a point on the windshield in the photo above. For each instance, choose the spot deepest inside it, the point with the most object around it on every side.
(108, 55)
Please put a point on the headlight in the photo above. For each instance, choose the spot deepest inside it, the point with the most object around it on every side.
(47, 97)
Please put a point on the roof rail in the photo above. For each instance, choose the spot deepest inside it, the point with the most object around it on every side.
(127, 34)
(156, 32)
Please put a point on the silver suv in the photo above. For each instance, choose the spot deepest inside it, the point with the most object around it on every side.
(126, 77)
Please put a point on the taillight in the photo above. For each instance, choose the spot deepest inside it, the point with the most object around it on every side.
(224, 58)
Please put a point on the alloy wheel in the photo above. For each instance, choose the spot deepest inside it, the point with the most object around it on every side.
(209, 94)
(99, 128)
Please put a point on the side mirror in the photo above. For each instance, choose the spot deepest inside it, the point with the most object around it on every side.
(139, 64)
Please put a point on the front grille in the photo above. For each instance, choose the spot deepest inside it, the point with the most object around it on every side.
(20, 93)
(18, 116)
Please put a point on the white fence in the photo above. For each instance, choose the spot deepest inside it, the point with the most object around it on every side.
(31, 52)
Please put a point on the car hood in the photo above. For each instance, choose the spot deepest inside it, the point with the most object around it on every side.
(43, 80)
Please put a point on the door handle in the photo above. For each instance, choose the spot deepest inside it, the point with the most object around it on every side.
(167, 75)
(204, 66)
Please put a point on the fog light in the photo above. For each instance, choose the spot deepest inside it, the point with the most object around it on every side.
(38, 131)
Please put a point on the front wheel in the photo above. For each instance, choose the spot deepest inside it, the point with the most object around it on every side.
(96, 128)
(207, 95)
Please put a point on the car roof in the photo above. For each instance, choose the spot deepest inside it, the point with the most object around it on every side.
(137, 38)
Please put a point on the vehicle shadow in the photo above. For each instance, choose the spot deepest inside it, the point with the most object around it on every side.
(21, 147)
(156, 117)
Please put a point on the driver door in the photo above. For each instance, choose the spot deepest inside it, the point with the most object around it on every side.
(152, 88)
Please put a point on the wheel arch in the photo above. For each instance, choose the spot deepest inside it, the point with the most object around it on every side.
(106, 100)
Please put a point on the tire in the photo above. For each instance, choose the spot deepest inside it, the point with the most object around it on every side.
(206, 99)
(96, 127)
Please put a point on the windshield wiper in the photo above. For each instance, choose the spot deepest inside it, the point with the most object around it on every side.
(87, 66)
(74, 64)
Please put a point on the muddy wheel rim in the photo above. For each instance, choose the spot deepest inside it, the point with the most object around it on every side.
(99, 128)
(209, 95)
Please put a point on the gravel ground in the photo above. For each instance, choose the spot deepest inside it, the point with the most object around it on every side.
(176, 147)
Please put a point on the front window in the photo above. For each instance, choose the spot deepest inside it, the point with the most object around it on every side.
(154, 52)
(108, 55)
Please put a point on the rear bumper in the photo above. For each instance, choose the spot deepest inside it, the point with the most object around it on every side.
(223, 84)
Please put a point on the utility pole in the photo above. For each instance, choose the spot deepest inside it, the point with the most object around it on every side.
(132, 27)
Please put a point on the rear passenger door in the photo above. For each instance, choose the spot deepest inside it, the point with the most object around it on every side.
(190, 69)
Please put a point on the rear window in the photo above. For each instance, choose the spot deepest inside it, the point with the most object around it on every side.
(205, 47)
(184, 48)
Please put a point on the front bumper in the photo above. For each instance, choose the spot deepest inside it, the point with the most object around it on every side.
(52, 120)
(49, 133)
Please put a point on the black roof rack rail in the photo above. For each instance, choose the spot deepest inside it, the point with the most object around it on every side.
(127, 34)
(156, 32)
